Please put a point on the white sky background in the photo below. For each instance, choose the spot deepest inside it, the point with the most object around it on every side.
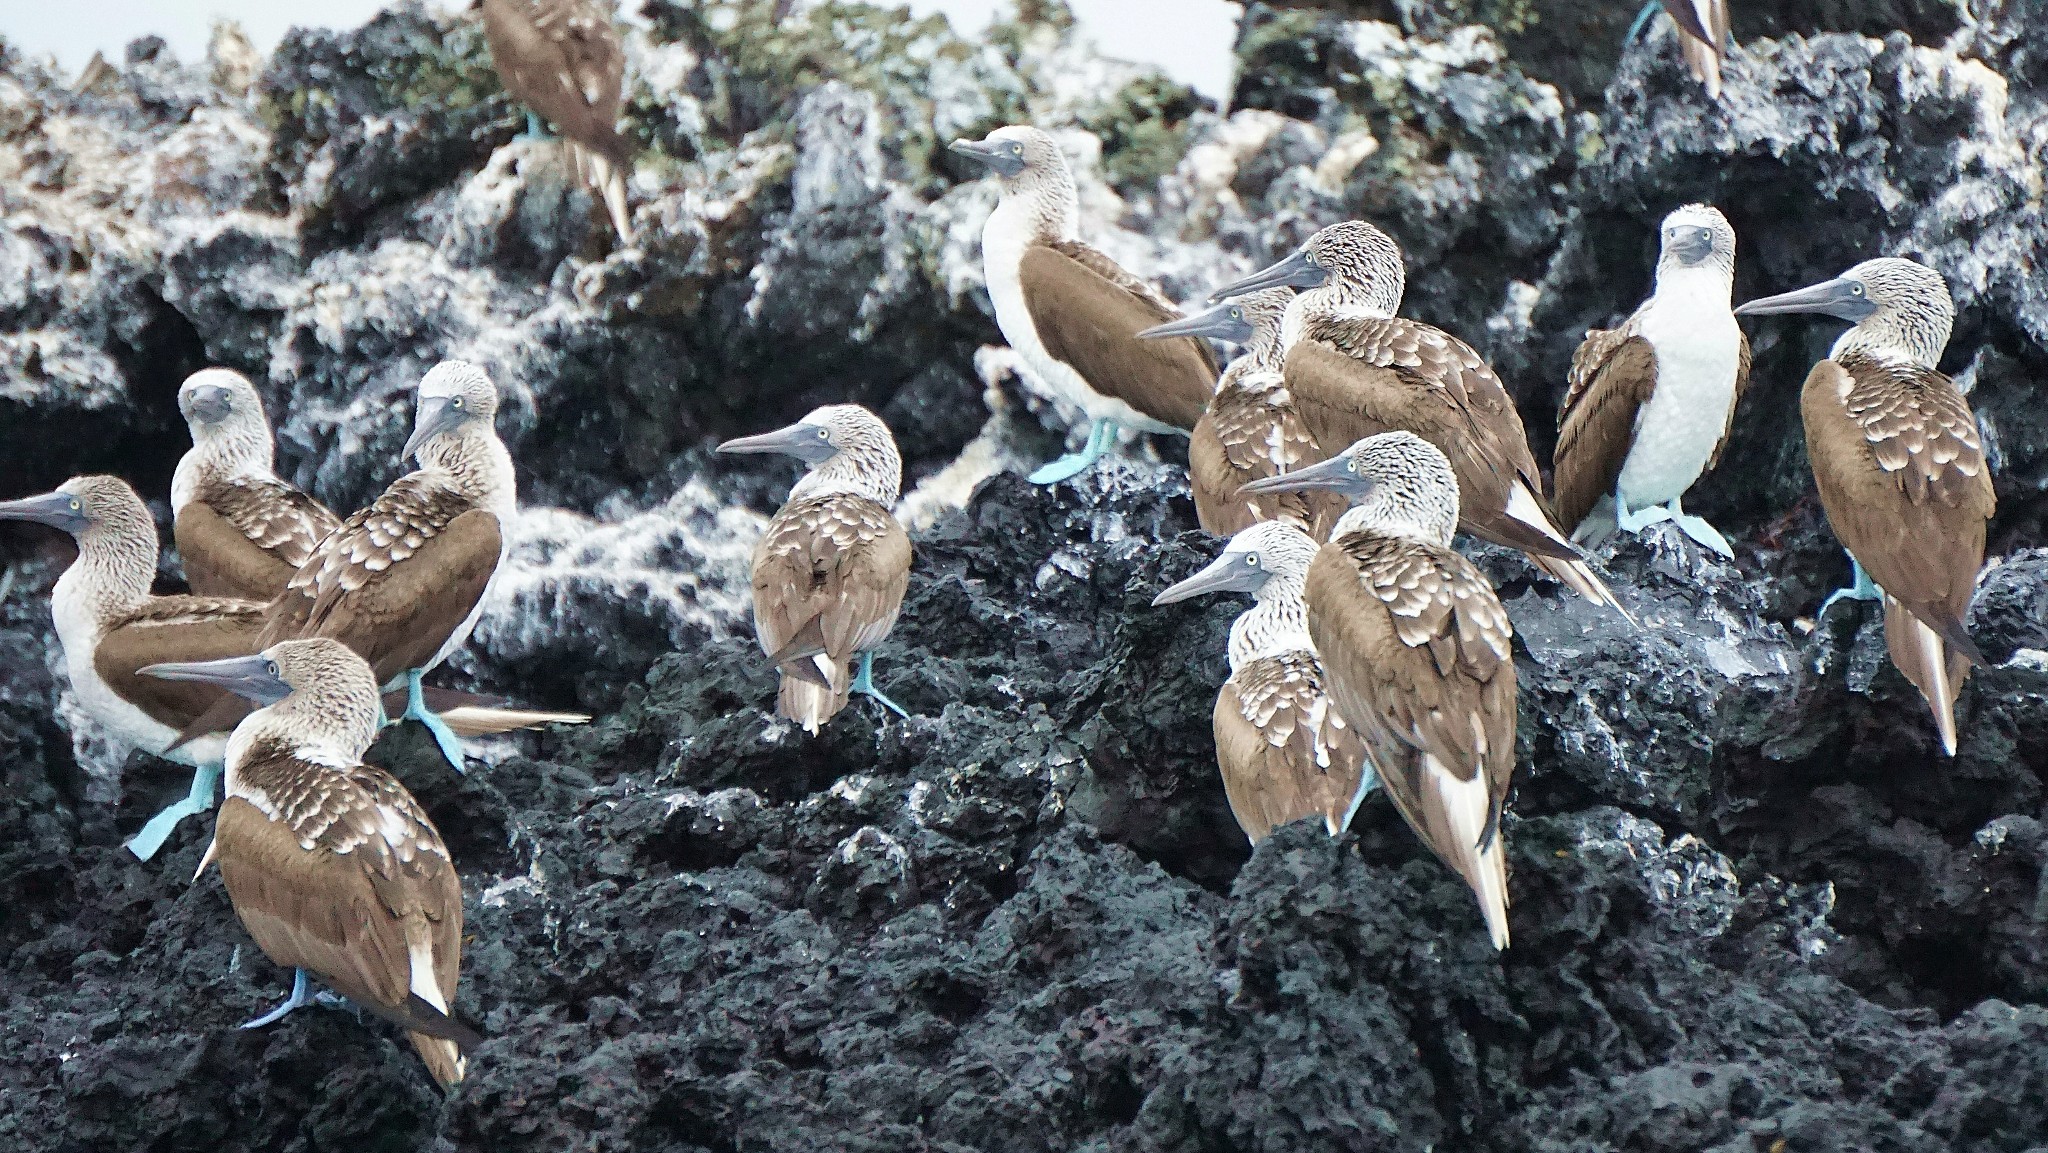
(1189, 39)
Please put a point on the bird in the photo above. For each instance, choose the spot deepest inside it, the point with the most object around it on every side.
(830, 572)
(1071, 313)
(1250, 429)
(1354, 369)
(403, 581)
(1703, 27)
(1899, 462)
(240, 531)
(1286, 753)
(110, 626)
(1650, 403)
(563, 59)
(1417, 651)
(330, 863)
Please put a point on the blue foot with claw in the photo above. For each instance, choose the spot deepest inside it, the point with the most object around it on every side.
(1864, 589)
(301, 996)
(199, 798)
(1100, 437)
(864, 683)
(1642, 21)
(534, 129)
(416, 710)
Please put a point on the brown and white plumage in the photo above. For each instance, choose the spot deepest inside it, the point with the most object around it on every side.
(564, 60)
(240, 531)
(1702, 38)
(830, 572)
(1250, 429)
(1900, 464)
(331, 864)
(1418, 652)
(1354, 369)
(1070, 312)
(1285, 752)
(1650, 403)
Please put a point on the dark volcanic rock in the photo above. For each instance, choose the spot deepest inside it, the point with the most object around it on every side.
(1755, 908)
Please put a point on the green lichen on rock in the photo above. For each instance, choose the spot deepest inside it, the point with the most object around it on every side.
(1144, 130)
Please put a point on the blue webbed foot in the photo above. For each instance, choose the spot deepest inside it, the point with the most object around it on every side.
(864, 684)
(1636, 520)
(1698, 529)
(1100, 437)
(1863, 589)
(301, 988)
(199, 798)
(416, 710)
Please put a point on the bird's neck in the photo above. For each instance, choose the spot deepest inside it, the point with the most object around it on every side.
(111, 576)
(1332, 303)
(222, 455)
(1414, 525)
(1040, 212)
(1276, 623)
(327, 726)
(1892, 339)
(1700, 285)
(874, 475)
(1266, 353)
(475, 464)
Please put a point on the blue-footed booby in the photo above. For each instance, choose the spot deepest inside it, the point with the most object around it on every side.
(1418, 652)
(1355, 369)
(1650, 403)
(1250, 429)
(830, 572)
(563, 59)
(1900, 466)
(402, 582)
(1072, 313)
(1285, 751)
(111, 626)
(1702, 36)
(331, 865)
(240, 530)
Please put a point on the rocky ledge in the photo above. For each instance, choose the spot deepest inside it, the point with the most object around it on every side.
(1755, 909)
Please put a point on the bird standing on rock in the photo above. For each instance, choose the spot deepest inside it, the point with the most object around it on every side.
(1651, 402)
(1418, 652)
(1072, 313)
(111, 626)
(1355, 369)
(1250, 429)
(331, 864)
(564, 60)
(830, 573)
(240, 531)
(1285, 751)
(403, 581)
(1900, 466)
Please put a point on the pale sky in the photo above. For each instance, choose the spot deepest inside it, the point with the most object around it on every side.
(1189, 39)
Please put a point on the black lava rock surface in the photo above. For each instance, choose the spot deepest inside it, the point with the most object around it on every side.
(1755, 909)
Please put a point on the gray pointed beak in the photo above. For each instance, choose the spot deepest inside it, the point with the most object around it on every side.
(252, 677)
(997, 157)
(59, 510)
(807, 442)
(1295, 272)
(1236, 572)
(207, 404)
(1841, 297)
(1334, 475)
(437, 415)
(1692, 244)
(1216, 323)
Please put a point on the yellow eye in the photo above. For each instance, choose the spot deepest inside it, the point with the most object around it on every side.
(74, 505)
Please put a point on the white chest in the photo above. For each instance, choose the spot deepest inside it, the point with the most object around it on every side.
(1699, 349)
(79, 632)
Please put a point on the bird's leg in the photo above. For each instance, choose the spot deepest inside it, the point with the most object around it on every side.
(1100, 437)
(864, 683)
(1864, 589)
(534, 129)
(1698, 529)
(1636, 520)
(301, 988)
(198, 799)
(1634, 30)
(416, 709)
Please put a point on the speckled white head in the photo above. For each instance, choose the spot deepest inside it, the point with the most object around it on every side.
(333, 694)
(117, 546)
(1350, 268)
(1270, 561)
(1033, 175)
(1402, 485)
(1696, 236)
(1901, 309)
(848, 449)
(455, 396)
(221, 404)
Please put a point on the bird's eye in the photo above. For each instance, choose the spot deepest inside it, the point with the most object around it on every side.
(1351, 466)
(1311, 261)
(824, 434)
(1252, 561)
(456, 403)
(1237, 314)
(1016, 150)
(75, 505)
(271, 668)
(1855, 289)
